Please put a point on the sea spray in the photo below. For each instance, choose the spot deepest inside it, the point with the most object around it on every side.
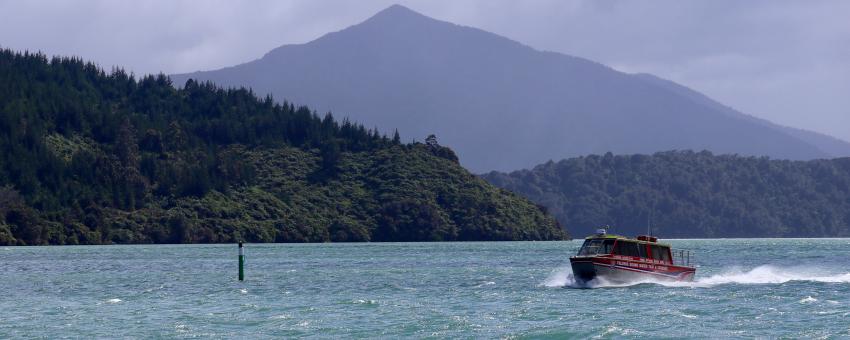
(770, 274)
(764, 274)
(559, 277)
(563, 277)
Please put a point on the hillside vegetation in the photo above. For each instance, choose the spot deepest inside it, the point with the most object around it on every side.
(91, 157)
(687, 194)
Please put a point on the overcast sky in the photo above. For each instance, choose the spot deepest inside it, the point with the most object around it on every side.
(787, 61)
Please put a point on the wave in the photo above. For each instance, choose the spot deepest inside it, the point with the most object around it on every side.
(764, 274)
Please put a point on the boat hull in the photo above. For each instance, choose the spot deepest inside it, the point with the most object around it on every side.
(623, 270)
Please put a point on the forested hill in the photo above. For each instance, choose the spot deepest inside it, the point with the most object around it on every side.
(687, 194)
(91, 157)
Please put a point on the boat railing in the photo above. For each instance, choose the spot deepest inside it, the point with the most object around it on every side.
(682, 257)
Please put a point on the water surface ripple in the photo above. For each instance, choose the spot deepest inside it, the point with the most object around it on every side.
(744, 288)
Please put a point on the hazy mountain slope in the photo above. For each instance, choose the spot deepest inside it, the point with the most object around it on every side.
(502, 105)
(831, 146)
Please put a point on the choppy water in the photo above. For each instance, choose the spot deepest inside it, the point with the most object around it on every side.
(744, 288)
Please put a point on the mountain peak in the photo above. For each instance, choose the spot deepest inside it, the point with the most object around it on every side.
(403, 70)
(397, 13)
(396, 10)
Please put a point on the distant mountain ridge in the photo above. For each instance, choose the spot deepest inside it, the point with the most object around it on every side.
(500, 104)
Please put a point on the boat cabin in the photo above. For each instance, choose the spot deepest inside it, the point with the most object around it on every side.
(644, 247)
(624, 259)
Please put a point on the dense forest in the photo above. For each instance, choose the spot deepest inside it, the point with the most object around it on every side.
(94, 157)
(690, 194)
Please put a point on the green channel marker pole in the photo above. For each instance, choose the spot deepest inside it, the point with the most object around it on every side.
(241, 263)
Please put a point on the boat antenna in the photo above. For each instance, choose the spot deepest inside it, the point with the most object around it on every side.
(649, 224)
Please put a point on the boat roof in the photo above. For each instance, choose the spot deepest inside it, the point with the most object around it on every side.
(620, 237)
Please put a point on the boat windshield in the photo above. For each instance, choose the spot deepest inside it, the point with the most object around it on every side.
(596, 247)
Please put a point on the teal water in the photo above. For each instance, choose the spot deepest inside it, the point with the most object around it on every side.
(744, 288)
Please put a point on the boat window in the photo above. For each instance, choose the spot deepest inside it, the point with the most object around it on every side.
(626, 248)
(665, 254)
(660, 253)
(594, 247)
(642, 250)
(607, 247)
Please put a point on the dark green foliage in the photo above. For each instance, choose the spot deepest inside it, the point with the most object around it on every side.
(408, 217)
(687, 194)
(440, 151)
(93, 157)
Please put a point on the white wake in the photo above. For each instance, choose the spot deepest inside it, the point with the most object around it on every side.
(765, 274)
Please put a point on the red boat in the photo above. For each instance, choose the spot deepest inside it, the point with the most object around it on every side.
(622, 259)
